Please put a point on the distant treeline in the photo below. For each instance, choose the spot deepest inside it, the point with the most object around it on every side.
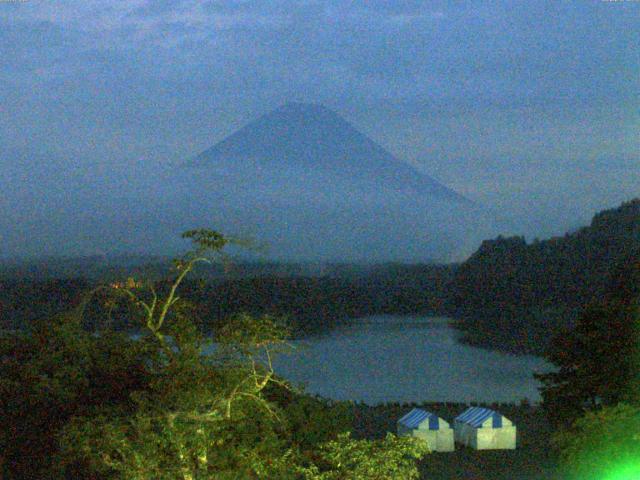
(317, 304)
(311, 304)
(113, 267)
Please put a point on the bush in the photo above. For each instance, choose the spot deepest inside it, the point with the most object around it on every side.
(602, 445)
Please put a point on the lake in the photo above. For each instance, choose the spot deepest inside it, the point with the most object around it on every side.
(407, 359)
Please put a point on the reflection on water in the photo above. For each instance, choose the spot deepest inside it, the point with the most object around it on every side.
(407, 359)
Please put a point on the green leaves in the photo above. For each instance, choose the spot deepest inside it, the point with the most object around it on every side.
(196, 418)
(602, 443)
(51, 374)
(103, 405)
(349, 459)
(206, 239)
(245, 331)
(596, 362)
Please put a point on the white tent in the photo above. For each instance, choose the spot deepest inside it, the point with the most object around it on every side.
(428, 426)
(484, 429)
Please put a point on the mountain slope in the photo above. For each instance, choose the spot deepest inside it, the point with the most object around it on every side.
(311, 185)
(308, 136)
(301, 179)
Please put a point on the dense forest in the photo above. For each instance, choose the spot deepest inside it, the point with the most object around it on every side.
(597, 357)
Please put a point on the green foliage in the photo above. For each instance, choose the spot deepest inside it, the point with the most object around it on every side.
(347, 459)
(96, 404)
(599, 359)
(601, 444)
(594, 364)
(246, 332)
(48, 375)
(311, 421)
(206, 239)
(200, 415)
(168, 441)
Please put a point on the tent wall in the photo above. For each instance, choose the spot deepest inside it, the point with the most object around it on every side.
(484, 438)
(404, 431)
(496, 438)
(465, 434)
(445, 442)
(439, 440)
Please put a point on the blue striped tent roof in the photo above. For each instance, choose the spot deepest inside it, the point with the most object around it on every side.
(415, 417)
(476, 416)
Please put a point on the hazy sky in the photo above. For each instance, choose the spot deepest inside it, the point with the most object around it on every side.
(532, 107)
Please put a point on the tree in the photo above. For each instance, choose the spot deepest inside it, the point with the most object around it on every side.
(349, 459)
(202, 414)
(604, 444)
(51, 372)
(214, 410)
(597, 360)
(594, 363)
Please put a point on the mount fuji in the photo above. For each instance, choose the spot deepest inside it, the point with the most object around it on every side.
(301, 179)
(314, 188)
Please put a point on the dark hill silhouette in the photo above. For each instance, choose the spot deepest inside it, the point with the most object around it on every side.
(514, 295)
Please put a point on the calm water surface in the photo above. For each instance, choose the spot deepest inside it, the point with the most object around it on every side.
(407, 359)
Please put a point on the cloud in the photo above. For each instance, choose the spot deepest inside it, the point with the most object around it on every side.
(469, 91)
(332, 49)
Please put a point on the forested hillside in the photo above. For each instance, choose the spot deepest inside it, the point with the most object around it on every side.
(514, 295)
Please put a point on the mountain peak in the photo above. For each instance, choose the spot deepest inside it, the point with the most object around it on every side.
(306, 107)
(307, 115)
(312, 138)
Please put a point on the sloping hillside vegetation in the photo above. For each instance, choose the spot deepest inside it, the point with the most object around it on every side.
(515, 295)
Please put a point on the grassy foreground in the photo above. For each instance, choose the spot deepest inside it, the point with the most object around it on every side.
(533, 458)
